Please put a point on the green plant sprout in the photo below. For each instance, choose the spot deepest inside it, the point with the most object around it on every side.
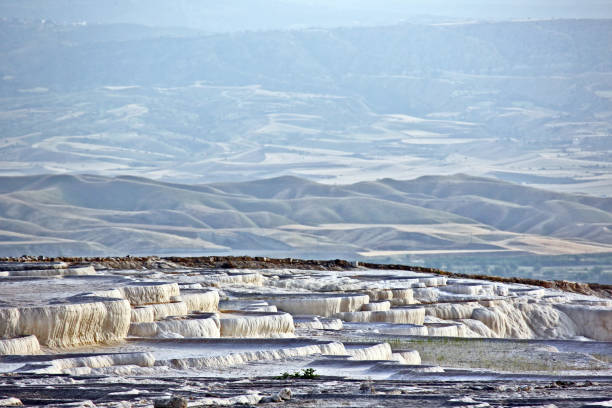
(307, 373)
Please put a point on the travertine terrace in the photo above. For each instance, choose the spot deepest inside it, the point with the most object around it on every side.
(359, 328)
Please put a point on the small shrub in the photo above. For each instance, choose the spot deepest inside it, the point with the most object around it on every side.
(307, 373)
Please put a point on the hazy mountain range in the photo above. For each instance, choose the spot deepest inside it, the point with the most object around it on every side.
(524, 101)
(94, 215)
(173, 109)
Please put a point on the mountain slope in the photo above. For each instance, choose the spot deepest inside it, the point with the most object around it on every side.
(528, 101)
(85, 215)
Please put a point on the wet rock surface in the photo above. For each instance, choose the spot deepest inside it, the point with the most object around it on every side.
(33, 390)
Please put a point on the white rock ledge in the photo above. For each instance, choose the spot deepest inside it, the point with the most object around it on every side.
(144, 294)
(68, 365)
(284, 350)
(401, 315)
(20, 345)
(256, 324)
(205, 326)
(320, 305)
(67, 325)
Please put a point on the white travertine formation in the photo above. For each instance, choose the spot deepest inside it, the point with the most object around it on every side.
(75, 271)
(377, 295)
(378, 351)
(433, 280)
(477, 329)
(10, 402)
(257, 324)
(261, 308)
(402, 297)
(594, 322)
(244, 278)
(120, 370)
(183, 286)
(398, 358)
(207, 301)
(317, 323)
(411, 357)
(319, 281)
(452, 311)
(142, 314)
(24, 266)
(504, 320)
(237, 400)
(529, 320)
(426, 295)
(470, 289)
(406, 316)
(163, 310)
(501, 290)
(494, 302)
(411, 372)
(548, 322)
(442, 330)
(61, 365)
(331, 324)
(37, 272)
(402, 329)
(376, 306)
(66, 325)
(319, 300)
(19, 345)
(110, 293)
(232, 359)
(464, 330)
(207, 327)
(321, 306)
(152, 293)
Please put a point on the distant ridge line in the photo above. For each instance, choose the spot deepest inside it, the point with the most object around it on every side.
(248, 262)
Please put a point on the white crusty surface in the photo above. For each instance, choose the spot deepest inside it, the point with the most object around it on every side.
(376, 306)
(321, 306)
(75, 271)
(237, 358)
(379, 351)
(66, 325)
(179, 325)
(151, 293)
(10, 402)
(206, 327)
(443, 330)
(451, 311)
(594, 322)
(163, 310)
(65, 365)
(403, 316)
(19, 345)
(200, 301)
(411, 357)
(142, 314)
(257, 324)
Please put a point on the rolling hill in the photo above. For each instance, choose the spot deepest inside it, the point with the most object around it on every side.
(83, 215)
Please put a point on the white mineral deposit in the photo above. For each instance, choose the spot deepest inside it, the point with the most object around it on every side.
(357, 323)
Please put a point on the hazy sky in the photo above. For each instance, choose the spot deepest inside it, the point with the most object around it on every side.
(231, 15)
